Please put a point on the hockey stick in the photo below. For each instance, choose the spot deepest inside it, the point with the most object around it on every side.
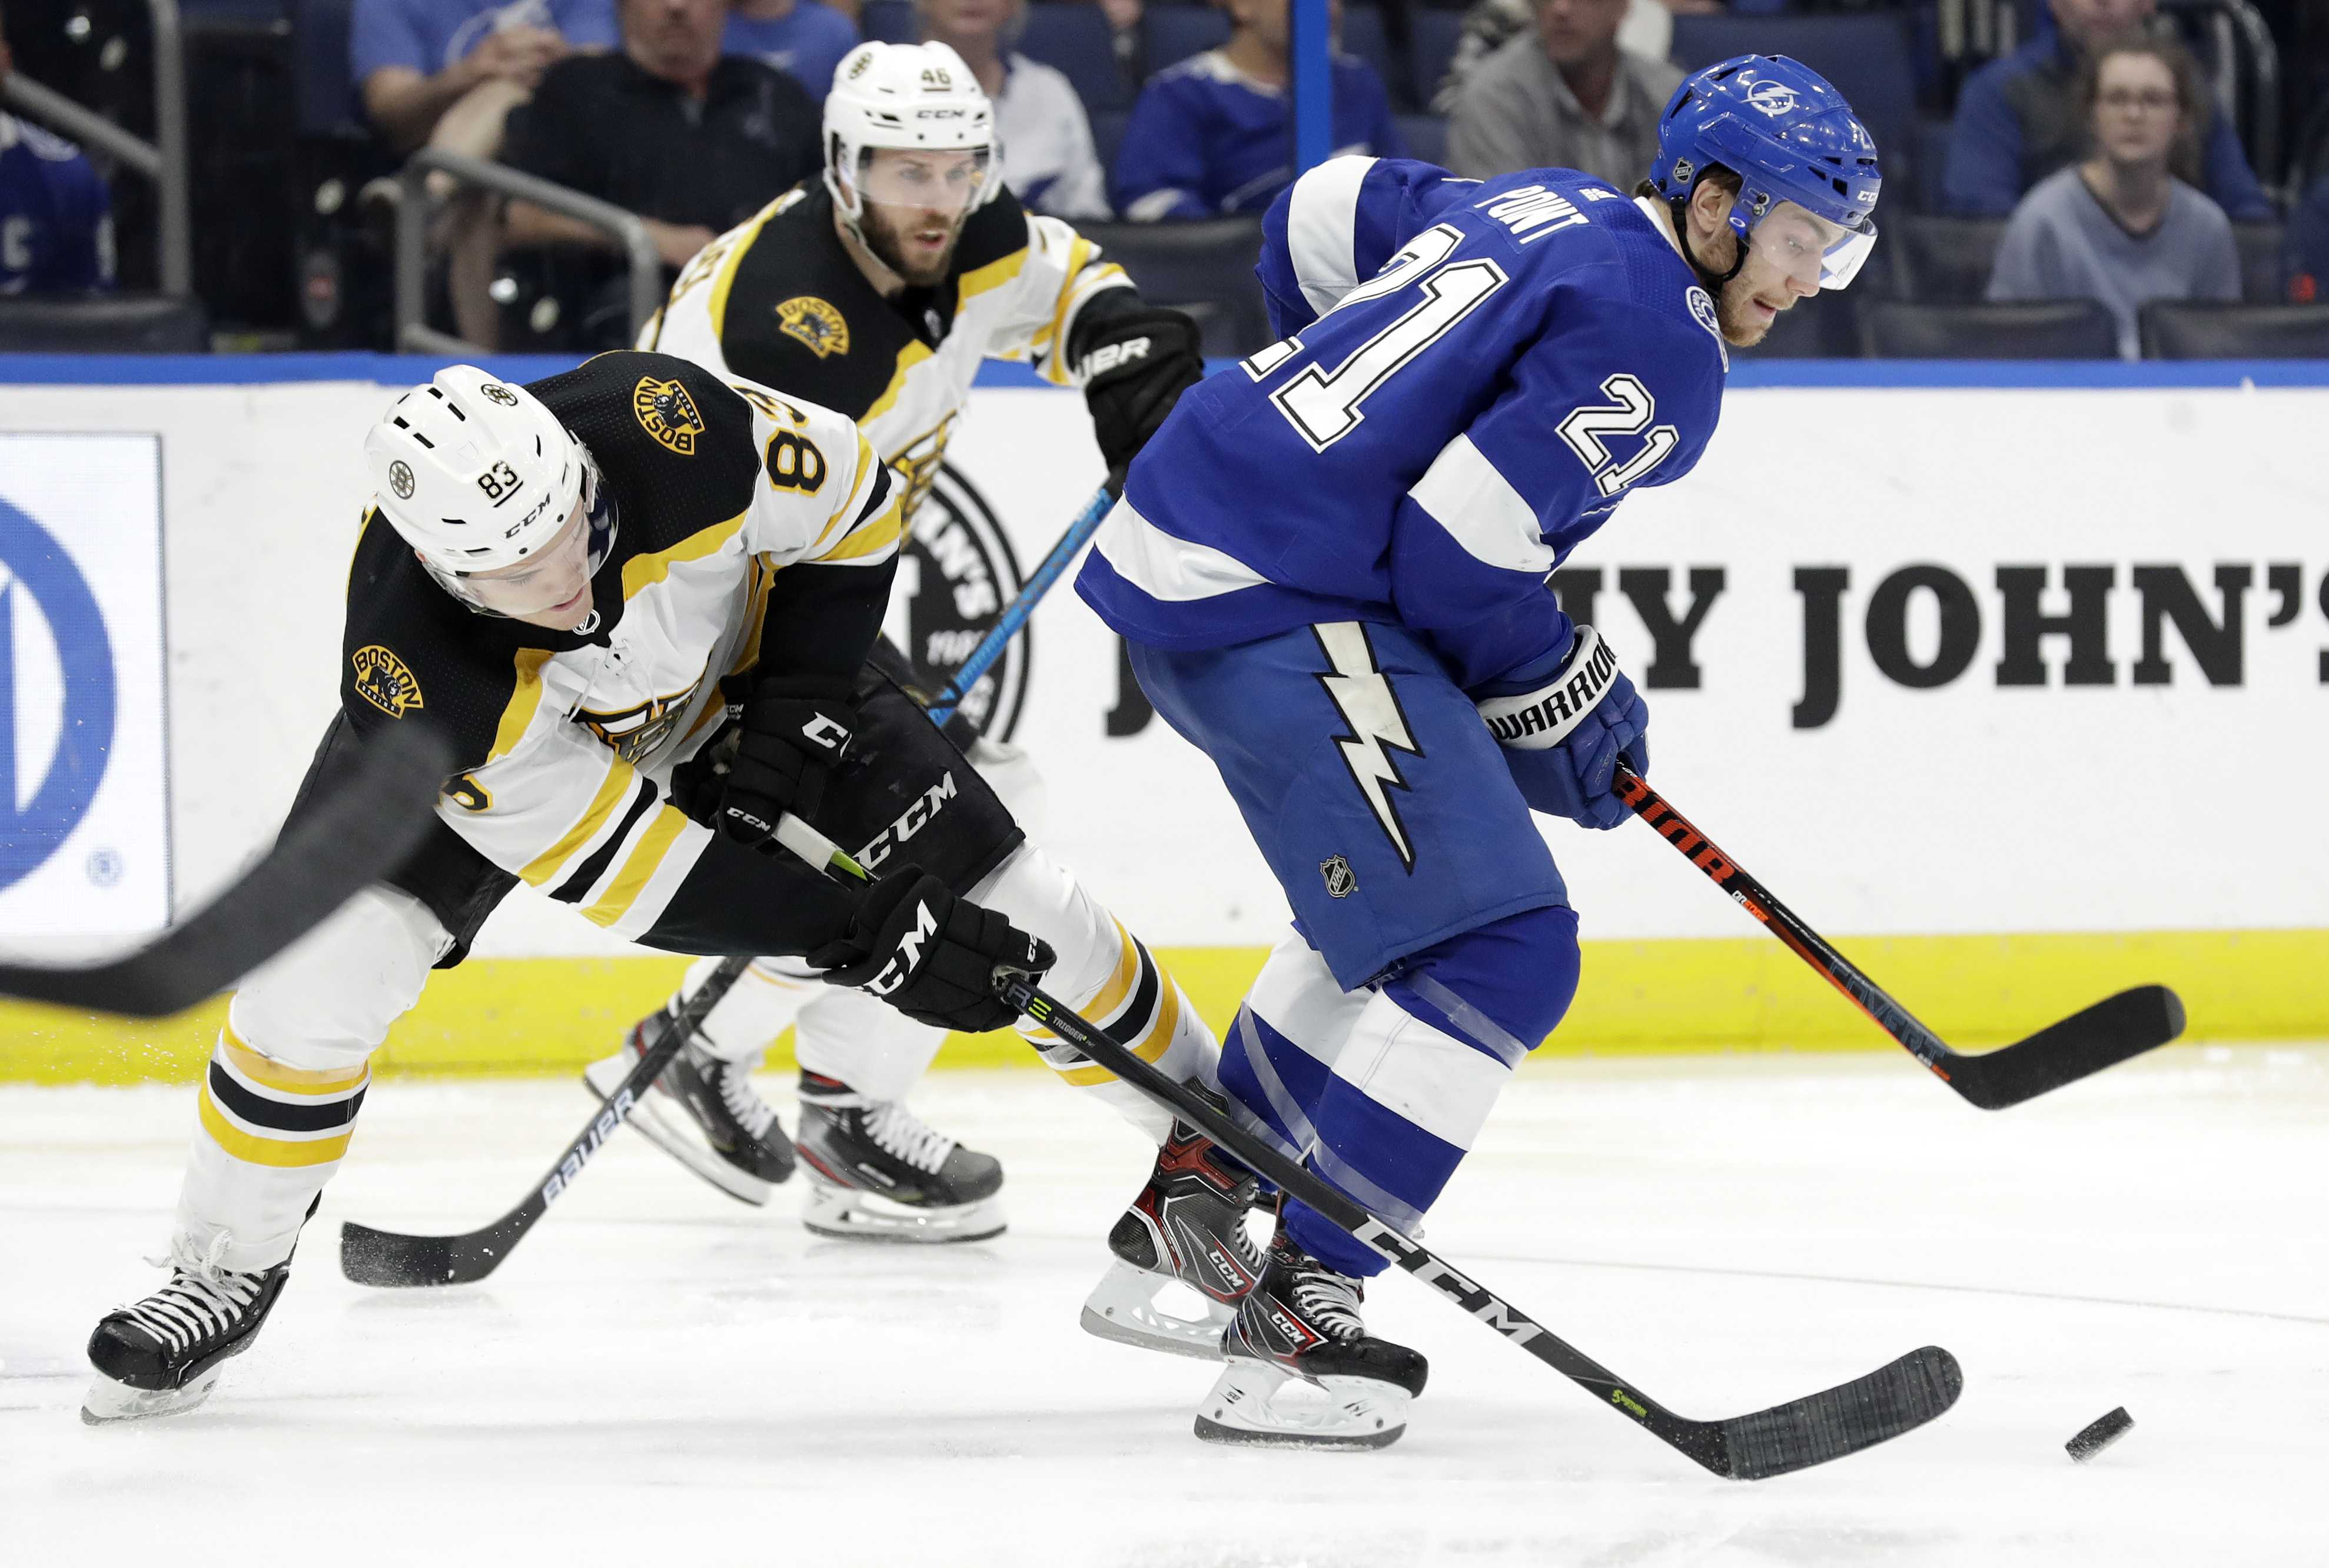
(1014, 614)
(389, 1257)
(393, 1257)
(2108, 1033)
(351, 839)
(1893, 1399)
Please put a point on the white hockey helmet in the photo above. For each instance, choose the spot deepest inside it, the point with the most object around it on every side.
(909, 96)
(475, 474)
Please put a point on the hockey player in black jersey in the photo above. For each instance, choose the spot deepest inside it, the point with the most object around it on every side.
(640, 598)
(880, 293)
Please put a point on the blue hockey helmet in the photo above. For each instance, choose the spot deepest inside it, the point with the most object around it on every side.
(1789, 136)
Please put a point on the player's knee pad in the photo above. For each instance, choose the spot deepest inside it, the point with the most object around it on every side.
(327, 1001)
(1504, 986)
(1043, 898)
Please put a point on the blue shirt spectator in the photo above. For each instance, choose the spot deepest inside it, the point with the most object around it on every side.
(1214, 134)
(413, 60)
(800, 38)
(56, 216)
(2018, 121)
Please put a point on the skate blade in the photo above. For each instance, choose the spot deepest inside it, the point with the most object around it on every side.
(1338, 1414)
(683, 1144)
(109, 1401)
(1123, 1307)
(846, 1214)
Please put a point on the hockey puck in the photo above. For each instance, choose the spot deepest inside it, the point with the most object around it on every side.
(2104, 1430)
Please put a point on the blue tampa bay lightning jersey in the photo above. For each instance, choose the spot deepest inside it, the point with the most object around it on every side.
(1473, 374)
(56, 221)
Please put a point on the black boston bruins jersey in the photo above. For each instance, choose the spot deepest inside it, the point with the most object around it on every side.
(751, 531)
(780, 300)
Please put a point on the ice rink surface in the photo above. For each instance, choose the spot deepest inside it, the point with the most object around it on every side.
(661, 1374)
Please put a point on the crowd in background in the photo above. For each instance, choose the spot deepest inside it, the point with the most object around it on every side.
(2099, 139)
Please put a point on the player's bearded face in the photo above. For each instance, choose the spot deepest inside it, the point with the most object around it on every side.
(550, 589)
(1784, 253)
(915, 206)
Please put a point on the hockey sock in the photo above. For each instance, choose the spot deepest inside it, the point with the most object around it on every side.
(761, 1005)
(1109, 976)
(269, 1136)
(1414, 1080)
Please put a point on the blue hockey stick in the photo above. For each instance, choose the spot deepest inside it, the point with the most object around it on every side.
(1014, 614)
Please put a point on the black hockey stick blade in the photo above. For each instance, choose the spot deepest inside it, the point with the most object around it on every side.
(1844, 1420)
(2103, 1035)
(394, 1260)
(351, 839)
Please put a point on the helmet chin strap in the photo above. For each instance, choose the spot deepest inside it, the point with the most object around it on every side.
(1713, 279)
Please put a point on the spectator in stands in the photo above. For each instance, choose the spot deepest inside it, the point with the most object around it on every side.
(693, 140)
(1049, 160)
(2121, 227)
(1647, 30)
(2018, 119)
(422, 63)
(56, 216)
(802, 38)
(1213, 134)
(1563, 95)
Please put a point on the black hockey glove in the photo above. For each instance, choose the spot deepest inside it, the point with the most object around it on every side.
(795, 729)
(929, 954)
(1134, 366)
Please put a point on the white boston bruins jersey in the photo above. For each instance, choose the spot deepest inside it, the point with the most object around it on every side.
(780, 300)
(750, 533)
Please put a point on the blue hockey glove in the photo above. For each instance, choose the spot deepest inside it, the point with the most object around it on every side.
(1563, 732)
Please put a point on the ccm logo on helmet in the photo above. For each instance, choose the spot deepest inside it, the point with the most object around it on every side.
(908, 956)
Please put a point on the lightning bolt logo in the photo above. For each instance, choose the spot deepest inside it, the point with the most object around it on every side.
(1363, 693)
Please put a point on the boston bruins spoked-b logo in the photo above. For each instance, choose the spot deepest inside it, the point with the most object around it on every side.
(400, 480)
(497, 394)
(954, 575)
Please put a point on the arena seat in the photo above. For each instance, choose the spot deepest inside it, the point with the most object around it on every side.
(1363, 35)
(1108, 134)
(2264, 262)
(1939, 261)
(888, 21)
(2190, 329)
(2029, 329)
(1205, 268)
(104, 323)
(1076, 41)
(1170, 34)
(1433, 34)
(319, 55)
(1426, 136)
(1867, 56)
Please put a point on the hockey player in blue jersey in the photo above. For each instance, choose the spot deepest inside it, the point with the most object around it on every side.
(1330, 565)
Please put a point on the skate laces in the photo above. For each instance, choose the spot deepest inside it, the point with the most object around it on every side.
(1329, 1301)
(743, 1101)
(203, 1296)
(899, 1130)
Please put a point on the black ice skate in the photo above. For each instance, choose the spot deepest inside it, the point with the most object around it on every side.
(878, 1174)
(1302, 1322)
(703, 1112)
(165, 1353)
(1186, 1227)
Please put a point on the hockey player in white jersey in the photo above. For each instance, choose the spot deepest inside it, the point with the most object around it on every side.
(639, 600)
(880, 295)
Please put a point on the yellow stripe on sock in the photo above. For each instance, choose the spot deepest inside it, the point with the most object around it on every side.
(1153, 1045)
(273, 1075)
(254, 1150)
(1112, 995)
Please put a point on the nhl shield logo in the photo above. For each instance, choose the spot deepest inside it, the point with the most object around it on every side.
(668, 414)
(812, 322)
(385, 681)
(1341, 881)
